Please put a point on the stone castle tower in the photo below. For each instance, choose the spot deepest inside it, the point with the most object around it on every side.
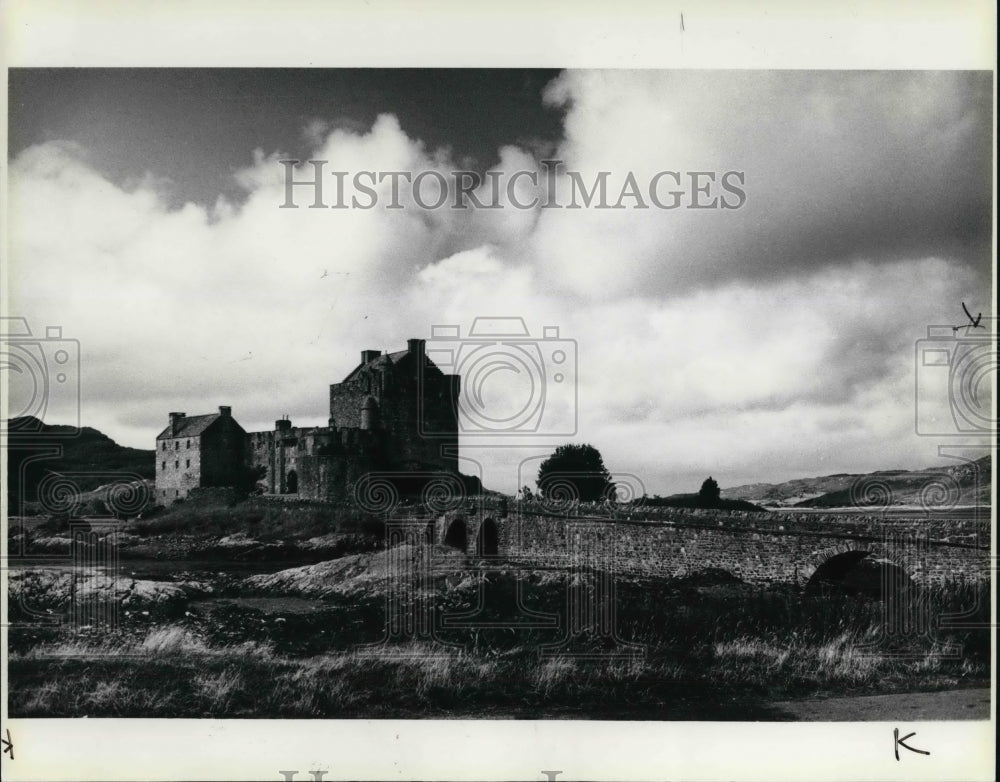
(394, 412)
(199, 451)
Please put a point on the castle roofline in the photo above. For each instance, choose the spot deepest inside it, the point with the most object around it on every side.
(182, 425)
(189, 426)
(384, 360)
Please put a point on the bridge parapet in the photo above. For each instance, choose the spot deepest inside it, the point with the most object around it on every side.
(756, 547)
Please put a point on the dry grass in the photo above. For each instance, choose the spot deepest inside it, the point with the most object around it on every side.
(172, 673)
(707, 657)
(162, 643)
(552, 673)
(218, 688)
(846, 660)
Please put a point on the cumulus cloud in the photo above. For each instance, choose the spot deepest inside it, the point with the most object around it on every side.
(763, 342)
(838, 166)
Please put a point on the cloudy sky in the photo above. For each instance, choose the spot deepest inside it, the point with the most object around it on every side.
(761, 343)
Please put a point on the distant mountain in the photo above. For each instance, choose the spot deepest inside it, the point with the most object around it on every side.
(89, 458)
(965, 484)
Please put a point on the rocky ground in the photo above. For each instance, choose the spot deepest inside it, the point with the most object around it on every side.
(294, 620)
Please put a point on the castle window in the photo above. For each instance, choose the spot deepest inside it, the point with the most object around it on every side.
(164, 466)
(177, 492)
(177, 445)
(188, 444)
(164, 446)
(177, 464)
(188, 462)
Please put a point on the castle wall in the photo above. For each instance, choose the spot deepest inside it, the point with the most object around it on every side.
(346, 401)
(394, 413)
(178, 468)
(260, 453)
(418, 415)
(222, 453)
(331, 477)
(326, 462)
(412, 443)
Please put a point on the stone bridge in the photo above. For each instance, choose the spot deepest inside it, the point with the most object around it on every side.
(761, 548)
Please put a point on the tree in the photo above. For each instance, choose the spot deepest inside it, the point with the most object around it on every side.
(709, 494)
(575, 472)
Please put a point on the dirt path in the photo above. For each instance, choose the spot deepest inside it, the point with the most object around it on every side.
(966, 704)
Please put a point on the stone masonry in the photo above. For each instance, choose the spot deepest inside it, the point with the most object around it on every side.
(760, 548)
(198, 451)
(393, 413)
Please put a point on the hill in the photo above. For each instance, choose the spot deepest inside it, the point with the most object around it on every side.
(86, 456)
(967, 484)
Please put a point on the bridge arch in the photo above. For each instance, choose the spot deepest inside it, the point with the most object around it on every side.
(859, 568)
(456, 533)
(488, 539)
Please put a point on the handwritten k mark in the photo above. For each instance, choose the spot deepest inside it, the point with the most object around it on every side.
(899, 741)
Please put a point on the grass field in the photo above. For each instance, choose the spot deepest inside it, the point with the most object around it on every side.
(700, 648)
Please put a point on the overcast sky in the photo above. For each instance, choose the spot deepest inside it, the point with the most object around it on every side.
(762, 343)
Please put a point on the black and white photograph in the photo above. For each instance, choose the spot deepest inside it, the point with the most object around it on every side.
(409, 397)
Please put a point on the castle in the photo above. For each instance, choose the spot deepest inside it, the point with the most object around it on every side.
(394, 412)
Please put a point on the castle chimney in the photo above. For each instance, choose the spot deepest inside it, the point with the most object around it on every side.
(225, 411)
(176, 419)
(416, 347)
(369, 355)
